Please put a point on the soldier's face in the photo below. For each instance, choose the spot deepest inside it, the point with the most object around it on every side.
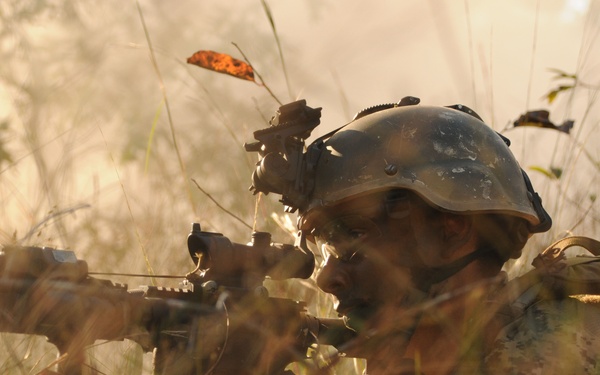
(367, 250)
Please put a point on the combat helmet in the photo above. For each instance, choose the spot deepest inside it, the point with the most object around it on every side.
(446, 155)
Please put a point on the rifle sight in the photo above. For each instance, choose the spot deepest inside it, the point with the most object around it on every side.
(234, 264)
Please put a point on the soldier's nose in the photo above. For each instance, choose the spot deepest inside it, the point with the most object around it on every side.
(332, 278)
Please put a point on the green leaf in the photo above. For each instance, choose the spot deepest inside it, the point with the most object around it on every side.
(560, 74)
(550, 96)
(548, 173)
(557, 172)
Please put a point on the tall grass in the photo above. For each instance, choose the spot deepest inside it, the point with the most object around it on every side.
(93, 160)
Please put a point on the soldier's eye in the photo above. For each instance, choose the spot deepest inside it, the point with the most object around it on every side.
(348, 229)
(344, 237)
(357, 233)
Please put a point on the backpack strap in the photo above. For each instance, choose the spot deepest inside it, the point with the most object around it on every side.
(552, 256)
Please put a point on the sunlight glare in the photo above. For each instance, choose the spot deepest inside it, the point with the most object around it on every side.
(574, 8)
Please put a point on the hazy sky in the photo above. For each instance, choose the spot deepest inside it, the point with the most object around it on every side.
(491, 55)
(93, 71)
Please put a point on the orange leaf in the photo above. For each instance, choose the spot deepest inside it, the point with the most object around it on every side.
(222, 63)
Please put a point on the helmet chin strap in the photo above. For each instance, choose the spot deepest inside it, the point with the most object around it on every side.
(425, 277)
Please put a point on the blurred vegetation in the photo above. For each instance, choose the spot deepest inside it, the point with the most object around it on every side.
(87, 143)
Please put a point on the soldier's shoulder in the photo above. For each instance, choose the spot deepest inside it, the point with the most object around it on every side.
(552, 337)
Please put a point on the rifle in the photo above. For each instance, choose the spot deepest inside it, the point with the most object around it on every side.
(219, 321)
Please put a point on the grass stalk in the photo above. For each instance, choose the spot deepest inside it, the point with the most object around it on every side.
(131, 216)
(269, 14)
(262, 81)
(167, 107)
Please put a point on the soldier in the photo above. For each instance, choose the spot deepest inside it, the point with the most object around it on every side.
(416, 209)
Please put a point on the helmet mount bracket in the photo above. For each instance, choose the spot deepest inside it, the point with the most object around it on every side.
(281, 169)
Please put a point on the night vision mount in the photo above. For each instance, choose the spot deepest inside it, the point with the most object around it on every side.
(284, 168)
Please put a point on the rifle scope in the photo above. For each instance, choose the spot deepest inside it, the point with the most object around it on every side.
(224, 261)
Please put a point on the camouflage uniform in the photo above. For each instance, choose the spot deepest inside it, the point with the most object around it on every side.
(559, 336)
(553, 337)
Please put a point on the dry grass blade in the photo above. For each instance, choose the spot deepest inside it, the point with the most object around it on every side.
(272, 23)
(262, 81)
(221, 207)
(50, 217)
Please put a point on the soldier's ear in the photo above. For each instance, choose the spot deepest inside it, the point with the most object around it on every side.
(459, 235)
